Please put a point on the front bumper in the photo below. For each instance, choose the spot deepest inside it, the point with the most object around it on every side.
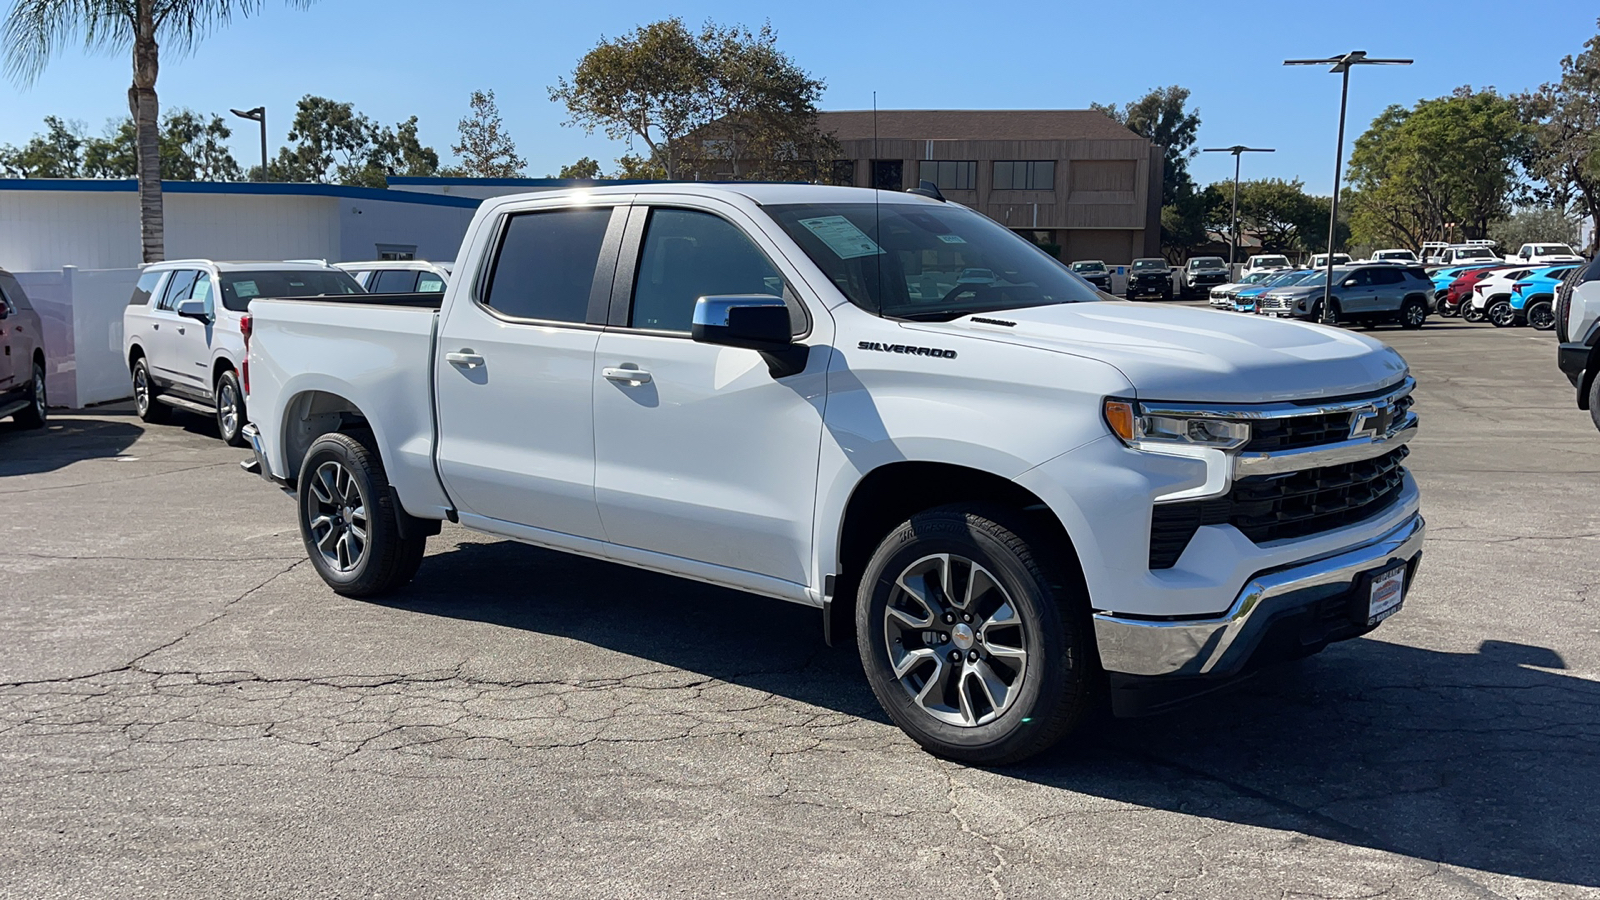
(1573, 358)
(1317, 598)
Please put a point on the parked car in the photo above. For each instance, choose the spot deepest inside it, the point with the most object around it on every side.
(1578, 329)
(1550, 254)
(22, 366)
(1244, 299)
(1367, 294)
(184, 330)
(1150, 277)
(1453, 284)
(1535, 295)
(1222, 295)
(1395, 256)
(1320, 260)
(1095, 272)
(1483, 287)
(1263, 261)
(1463, 254)
(1201, 274)
(973, 480)
(399, 276)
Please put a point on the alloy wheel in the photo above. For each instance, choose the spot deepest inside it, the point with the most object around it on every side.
(1542, 317)
(956, 643)
(339, 523)
(141, 390)
(228, 409)
(1501, 315)
(1416, 313)
(39, 402)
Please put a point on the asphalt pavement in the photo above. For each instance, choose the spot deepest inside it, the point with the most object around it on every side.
(186, 711)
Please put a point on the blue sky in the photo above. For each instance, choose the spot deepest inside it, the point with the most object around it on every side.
(396, 58)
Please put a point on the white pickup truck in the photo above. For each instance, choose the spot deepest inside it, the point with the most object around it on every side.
(1014, 493)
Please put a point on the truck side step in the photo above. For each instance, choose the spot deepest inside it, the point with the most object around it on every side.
(13, 407)
(189, 405)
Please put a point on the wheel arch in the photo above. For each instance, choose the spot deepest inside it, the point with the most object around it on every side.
(222, 364)
(135, 353)
(311, 414)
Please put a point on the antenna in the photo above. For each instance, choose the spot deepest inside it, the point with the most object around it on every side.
(877, 217)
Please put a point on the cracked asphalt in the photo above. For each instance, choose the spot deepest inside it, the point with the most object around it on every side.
(186, 711)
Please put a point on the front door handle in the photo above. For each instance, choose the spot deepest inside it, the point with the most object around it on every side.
(466, 359)
(181, 330)
(624, 375)
(155, 326)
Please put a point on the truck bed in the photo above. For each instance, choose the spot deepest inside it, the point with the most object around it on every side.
(412, 301)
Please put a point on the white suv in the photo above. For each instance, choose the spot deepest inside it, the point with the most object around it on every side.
(399, 276)
(186, 350)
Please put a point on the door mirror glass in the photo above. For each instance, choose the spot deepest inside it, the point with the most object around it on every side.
(193, 309)
(1350, 282)
(754, 321)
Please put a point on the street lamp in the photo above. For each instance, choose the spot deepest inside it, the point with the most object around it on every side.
(1341, 66)
(259, 114)
(1237, 150)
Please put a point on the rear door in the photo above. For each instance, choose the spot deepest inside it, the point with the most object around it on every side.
(513, 377)
(700, 452)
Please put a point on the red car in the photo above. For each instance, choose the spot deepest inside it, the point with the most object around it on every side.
(1461, 289)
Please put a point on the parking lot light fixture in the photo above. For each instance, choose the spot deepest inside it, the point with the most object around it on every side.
(259, 114)
(1237, 150)
(1340, 65)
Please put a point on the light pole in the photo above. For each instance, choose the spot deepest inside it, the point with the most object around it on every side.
(259, 114)
(1237, 150)
(1341, 66)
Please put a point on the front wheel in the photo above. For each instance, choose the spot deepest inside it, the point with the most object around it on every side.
(1413, 313)
(972, 641)
(1541, 316)
(348, 520)
(34, 414)
(230, 409)
(1501, 315)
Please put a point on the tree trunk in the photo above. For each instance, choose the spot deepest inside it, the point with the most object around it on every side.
(146, 110)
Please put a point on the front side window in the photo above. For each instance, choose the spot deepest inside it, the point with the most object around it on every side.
(546, 262)
(145, 287)
(688, 255)
(239, 288)
(950, 175)
(202, 291)
(1025, 175)
(927, 261)
(178, 287)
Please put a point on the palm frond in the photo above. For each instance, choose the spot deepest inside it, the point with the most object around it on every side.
(36, 30)
(181, 24)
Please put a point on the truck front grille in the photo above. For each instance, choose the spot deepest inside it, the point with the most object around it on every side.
(1273, 303)
(1279, 507)
(1272, 435)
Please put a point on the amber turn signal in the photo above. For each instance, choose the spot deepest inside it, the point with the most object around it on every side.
(1120, 416)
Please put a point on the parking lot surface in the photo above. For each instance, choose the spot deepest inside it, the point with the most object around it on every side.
(186, 711)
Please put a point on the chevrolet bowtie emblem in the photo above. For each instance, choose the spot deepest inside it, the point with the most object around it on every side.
(1372, 422)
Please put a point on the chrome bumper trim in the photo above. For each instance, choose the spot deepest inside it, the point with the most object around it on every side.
(252, 434)
(1201, 646)
(1321, 455)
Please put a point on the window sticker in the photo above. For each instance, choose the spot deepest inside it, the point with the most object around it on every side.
(952, 239)
(842, 236)
(246, 289)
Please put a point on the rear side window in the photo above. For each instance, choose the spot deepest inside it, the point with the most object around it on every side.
(239, 288)
(393, 281)
(545, 266)
(145, 287)
(178, 287)
(688, 255)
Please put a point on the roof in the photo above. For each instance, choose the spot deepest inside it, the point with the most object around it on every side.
(273, 265)
(765, 193)
(274, 188)
(974, 125)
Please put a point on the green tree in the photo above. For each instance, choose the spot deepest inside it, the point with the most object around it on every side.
(1162, 116)
(192, 149)
(36, 30)
(1188, 220)
(1532, 225)
(486, 150)
(583, 168)
(1282, 215)
(1565, 152)
(632, 167)
(58, 153)
(331, 143)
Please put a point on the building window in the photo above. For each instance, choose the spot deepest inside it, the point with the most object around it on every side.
(397, 251)
(887, 174)
(1037, 175)
(840, 171)
(950, 175)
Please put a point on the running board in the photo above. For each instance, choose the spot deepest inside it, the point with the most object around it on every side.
(189, 405)
(14, 407)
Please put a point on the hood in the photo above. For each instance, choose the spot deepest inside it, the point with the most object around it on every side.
(1188, 354)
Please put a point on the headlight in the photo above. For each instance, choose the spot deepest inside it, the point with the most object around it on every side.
(1129, 422)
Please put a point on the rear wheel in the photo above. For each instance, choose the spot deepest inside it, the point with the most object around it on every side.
(1469, 313)
(1500, 314)
(1594, 402)
(1542, 316)
(34, 414)
(230, 409)
(349, 522)
(972, 641)
(144, 395)
(1413, 312)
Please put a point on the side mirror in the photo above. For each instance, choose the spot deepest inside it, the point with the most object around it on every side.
(752, 321)
(193, 309)
(1349, 282)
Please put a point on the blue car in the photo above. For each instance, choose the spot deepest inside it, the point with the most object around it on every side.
(1532, 299)
(1245, 300)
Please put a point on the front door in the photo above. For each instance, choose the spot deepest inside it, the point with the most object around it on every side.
(513, 373)
(169, 363)
(700, 452)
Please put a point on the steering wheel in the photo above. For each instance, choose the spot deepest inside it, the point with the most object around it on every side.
(958, 290)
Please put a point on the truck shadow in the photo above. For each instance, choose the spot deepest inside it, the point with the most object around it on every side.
(1484, 760)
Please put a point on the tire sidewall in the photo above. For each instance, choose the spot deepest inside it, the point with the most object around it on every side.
(1545, 305)
(334, 447)
(231, 381)
(1049, 659)
(143, 409)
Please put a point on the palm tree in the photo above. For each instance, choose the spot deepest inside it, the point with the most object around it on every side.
(36, 30)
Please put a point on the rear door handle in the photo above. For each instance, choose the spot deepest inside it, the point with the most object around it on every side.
(466, 359)
(623, 375)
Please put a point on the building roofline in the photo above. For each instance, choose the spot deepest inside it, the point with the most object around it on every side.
(272, 188)
(518, 182)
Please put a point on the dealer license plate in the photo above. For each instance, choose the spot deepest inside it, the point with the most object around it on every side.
(1388, 592)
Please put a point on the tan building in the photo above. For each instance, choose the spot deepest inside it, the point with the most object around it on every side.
(1071, 177)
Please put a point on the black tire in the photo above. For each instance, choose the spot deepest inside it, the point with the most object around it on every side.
(1542, 316)
(340, 471)
(38, 409)
(228, 399)
(1166, 294)
(1594, 402)
(1468, 313)
(1413, 312)
(144, 395)
(1052, 689)
(1500, 314)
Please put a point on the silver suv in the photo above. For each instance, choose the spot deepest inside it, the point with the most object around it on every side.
(1372, 294)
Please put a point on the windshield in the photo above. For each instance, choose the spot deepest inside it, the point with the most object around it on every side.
(1209, 262)
(1140, 265)
(1286, 280)
(1552, 250)
(1257, 277)
(1265, 261)
(1091, 267)
(1474, 253)
(1397, 254)
(239, 288)
(927, 261)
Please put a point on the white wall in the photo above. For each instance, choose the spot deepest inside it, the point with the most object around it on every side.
(45, 230)
(250, 226)
(81, 311)
(436, 231)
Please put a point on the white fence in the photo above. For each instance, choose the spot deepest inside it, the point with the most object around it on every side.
(81, 313)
